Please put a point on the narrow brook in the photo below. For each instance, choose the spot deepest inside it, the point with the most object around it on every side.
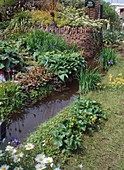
(27, 121)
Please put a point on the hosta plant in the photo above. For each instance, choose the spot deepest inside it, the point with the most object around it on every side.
(9, 57)
(64, 64)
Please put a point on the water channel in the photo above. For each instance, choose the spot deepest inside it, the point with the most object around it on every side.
(27, 121)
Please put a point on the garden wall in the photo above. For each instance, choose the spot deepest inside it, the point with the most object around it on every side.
(87, 39)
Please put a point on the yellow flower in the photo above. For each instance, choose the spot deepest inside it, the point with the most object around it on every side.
(84, 114)
(117, 78)
(67, 133)
(73, 119)
(119, 86)
(110, 79)
(91, 116)
(72, 135)
(99, 119)
(0, 85)
(104, 87)
(98, 84)
(109, 82)
(78, 126)
(72, 124)
(120, 74)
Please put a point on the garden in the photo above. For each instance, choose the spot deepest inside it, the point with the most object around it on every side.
(47, 48)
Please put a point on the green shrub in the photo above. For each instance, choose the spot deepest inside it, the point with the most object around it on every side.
(108, 57)
(65, 65)
(86, 116)
(89, 79)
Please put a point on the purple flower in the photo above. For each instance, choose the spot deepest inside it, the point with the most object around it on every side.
(43, 26)
(1, 141)
(111, 61)
(78, 36)
(101, 58)
(51, 47)
(48, 27)
(54, 44)
(46, 44)
(35, 26)
(63, 30)
(32, 83)
(41, 48)
(52, 23)
(13, 70)
(37, 22)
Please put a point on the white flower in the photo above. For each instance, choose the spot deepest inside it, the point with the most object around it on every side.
(29, 146)
(40, 158)
(8, 148)
(18, 168)
(12, 151)
(20, 155)
(81, 166)
(1, 154)
(57, 169)
(48, 160)
(40, 166)
(5, 167)
(16, 159)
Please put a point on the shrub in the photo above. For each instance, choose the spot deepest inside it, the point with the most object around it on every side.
(65, 65)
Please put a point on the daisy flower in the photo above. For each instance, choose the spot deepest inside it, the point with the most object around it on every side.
(40, 166)
(16, 159)
(4, 167)
(8, 148)
(48, 160)
(40, 158)
(20, 155)
(29, 146)
(12, 151)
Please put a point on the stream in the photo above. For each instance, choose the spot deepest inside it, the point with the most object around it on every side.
(29, 119)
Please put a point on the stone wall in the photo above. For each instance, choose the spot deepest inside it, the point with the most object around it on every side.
(88, 40)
